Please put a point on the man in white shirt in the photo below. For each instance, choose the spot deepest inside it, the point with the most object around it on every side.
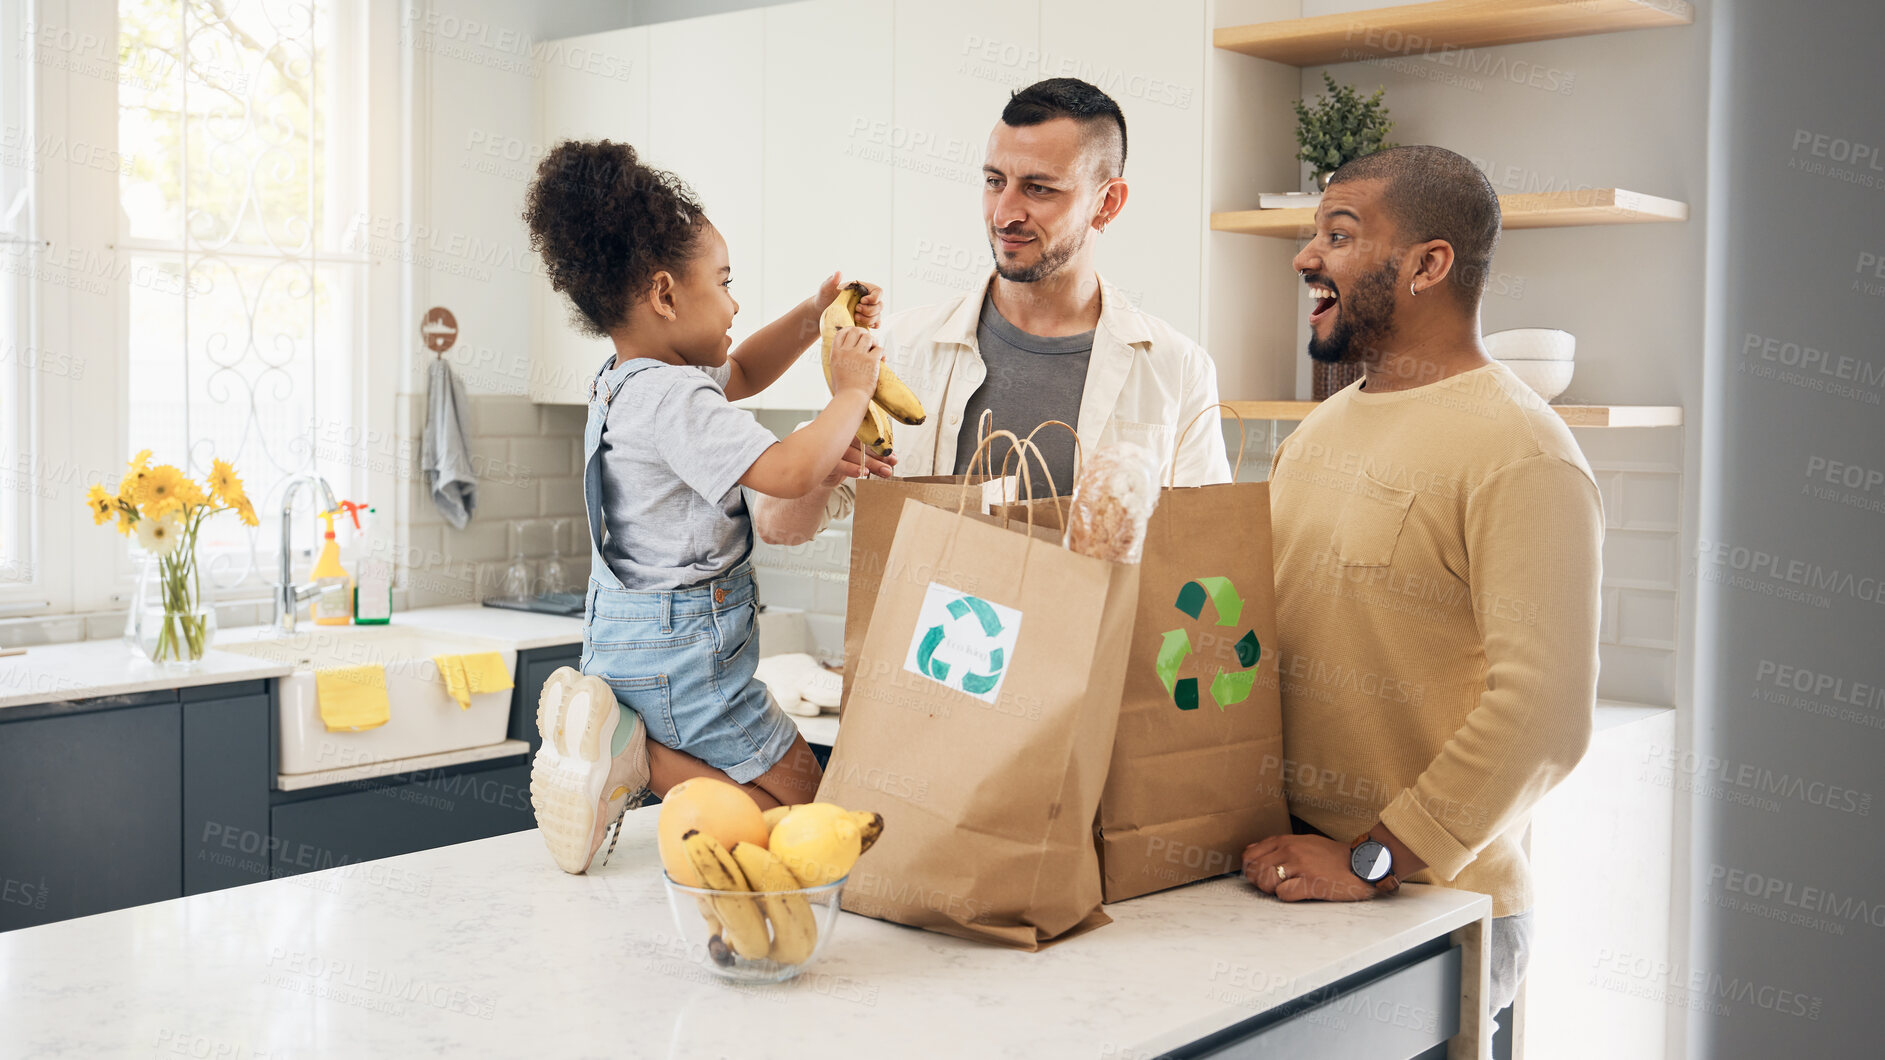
(1045, 337)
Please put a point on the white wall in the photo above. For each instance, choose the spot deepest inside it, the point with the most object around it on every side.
(472, 151)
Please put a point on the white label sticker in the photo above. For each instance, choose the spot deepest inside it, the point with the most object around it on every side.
(963, 641)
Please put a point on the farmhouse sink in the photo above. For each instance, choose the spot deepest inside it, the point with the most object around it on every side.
(425, 718)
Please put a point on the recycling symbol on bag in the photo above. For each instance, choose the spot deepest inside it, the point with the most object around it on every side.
(1228, 686)
(988, 623)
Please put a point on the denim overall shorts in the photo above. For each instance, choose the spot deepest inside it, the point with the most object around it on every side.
(682, 659)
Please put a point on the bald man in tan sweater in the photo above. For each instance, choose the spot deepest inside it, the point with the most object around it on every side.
(1437, 539)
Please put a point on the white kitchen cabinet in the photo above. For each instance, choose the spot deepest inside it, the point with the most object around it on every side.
(591, 88)
(707, 126)
(850, 134)
(1155, 72)
(826, 186)
(956, 65)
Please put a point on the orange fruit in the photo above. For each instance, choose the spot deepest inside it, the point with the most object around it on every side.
(718, 809)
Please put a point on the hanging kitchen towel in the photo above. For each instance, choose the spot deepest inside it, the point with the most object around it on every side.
(979, 723)
(444, 448)
(467, 675)
(352, 698)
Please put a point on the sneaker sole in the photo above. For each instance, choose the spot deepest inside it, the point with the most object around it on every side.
(572, 767)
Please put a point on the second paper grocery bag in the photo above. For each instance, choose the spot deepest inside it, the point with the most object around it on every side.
(980, 722)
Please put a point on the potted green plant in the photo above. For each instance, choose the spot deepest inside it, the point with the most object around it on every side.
(1339, 128)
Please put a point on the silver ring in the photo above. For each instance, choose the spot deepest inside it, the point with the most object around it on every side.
(1281, 874)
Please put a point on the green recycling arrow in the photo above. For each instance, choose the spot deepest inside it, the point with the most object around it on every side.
(1171, 655)
(1223, 596)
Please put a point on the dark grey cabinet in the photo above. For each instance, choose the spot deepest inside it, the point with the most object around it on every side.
(118, 801)
(398, 815)
(226, 777)
(93, 807)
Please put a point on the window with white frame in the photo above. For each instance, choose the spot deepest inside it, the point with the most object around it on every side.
(241, 125)
(20, 561)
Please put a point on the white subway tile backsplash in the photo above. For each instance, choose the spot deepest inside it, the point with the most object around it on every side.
(503, 415)
(1646, 619)
(829, 592)
(1635, 675)
(561, 497)
(1650, 500)
(827, 633)
(1607, 627)
(1640, 559)
(540, 457)
(565, 420)
(785, 588)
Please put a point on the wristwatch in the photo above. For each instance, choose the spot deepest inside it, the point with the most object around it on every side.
(1373, 862)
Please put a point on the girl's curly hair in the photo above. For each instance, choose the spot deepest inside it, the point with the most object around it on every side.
(604, 224)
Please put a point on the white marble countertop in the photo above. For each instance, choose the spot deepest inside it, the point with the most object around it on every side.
(84, 669)
(486, 949)
(523, 629)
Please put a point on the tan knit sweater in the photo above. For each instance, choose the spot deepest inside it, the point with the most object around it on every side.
(1437, 563)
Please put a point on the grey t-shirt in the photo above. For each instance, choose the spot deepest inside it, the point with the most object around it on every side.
(1031, 379)
(673, 451)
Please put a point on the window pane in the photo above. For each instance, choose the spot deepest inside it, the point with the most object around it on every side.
(241, 335)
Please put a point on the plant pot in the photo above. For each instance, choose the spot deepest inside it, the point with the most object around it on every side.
(1322, 180)
(1328, 378)
(172, 619)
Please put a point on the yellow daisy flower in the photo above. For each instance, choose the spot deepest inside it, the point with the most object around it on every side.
(101, 503)
(246, 512)
(224, 483)
(127, 522)
(142, 461)
(162, 489)
(189, 494)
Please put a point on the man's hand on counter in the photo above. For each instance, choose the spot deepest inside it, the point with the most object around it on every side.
(1312, 866)
(1315, 866)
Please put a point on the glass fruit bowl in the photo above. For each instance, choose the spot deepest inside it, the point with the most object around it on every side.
(754, 936)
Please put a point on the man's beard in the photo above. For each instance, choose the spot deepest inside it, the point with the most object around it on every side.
(1364, 318)
(1052, 258)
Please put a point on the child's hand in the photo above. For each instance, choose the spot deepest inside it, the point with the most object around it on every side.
(854, 360)
(870, 308)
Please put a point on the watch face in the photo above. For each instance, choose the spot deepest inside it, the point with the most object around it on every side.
(1370, 861)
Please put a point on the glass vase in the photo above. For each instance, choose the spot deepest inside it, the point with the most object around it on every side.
(172, 614)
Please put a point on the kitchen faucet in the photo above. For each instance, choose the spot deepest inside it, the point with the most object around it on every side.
(287, 597)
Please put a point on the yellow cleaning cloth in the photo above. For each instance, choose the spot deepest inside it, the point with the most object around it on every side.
(478, 672)
(352, 698)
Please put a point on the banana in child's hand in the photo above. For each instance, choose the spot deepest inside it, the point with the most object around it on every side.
(893, 399)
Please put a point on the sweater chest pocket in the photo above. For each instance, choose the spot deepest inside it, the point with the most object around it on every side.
(1370, 523)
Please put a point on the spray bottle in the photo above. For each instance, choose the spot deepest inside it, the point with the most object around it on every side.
(333, 598)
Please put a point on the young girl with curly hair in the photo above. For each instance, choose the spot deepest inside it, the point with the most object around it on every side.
(669, 637)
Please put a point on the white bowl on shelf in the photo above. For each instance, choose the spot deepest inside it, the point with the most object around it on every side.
(1548, 378)
(1531, 344)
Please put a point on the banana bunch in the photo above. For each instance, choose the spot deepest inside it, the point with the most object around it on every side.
(894, 400)
(810, 845)
(739, 920)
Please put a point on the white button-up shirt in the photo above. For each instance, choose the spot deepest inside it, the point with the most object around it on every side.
(1145, 383)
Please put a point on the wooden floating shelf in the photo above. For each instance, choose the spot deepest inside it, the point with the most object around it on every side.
(1550, 209)
(1573, 415)
(1413, 30)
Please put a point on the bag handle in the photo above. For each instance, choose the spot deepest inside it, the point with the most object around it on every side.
(1243, 433)
(1020, 445)
(1079, 454)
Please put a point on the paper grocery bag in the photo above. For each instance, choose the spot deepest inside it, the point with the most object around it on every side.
(873, 524)
(979, 722)
(1197, 760)
(1197, 765)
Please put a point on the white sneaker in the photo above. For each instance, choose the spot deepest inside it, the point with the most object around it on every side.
(578, 789)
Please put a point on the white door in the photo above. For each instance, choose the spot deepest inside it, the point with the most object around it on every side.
(827, 186)
(591, 88)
